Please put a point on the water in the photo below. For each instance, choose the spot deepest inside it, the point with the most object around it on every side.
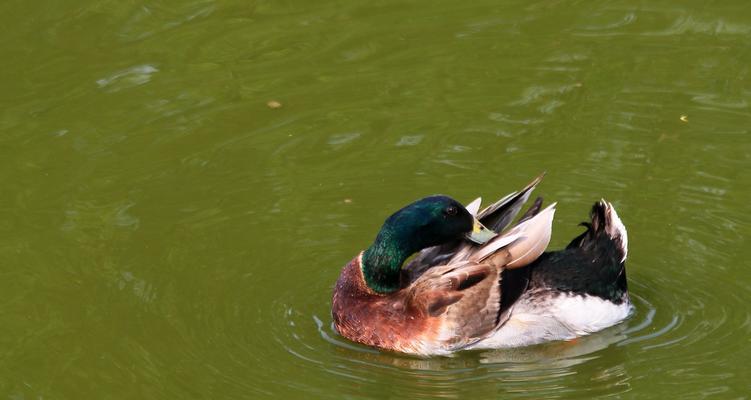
(169, 233)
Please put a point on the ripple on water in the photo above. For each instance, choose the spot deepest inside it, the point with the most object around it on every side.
(662, 321)
(670, 317)
(535, 369)
(127, 78)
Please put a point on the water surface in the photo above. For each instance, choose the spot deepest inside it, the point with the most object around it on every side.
(166, 233)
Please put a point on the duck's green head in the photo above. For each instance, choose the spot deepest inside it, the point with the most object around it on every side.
(427, 222)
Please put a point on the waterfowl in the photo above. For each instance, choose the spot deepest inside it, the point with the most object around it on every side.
(472, 288)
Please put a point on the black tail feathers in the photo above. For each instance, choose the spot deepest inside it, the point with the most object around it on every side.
(604, 226)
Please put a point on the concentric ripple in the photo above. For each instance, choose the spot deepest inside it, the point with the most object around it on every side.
(182, 182)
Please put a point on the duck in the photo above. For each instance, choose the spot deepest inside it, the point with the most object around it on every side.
(441, 277)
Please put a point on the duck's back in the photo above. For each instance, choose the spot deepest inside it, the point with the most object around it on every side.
(593, 264)
(568, 293)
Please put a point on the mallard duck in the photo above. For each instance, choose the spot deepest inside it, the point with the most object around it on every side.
(472, 288)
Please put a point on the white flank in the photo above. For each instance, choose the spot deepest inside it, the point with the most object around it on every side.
(587, 314)
(564, 317)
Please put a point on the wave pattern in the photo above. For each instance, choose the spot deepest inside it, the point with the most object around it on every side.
(183, 180)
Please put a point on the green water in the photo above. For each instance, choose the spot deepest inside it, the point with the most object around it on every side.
(165, 234)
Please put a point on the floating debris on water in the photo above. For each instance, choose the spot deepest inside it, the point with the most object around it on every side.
(274, 104)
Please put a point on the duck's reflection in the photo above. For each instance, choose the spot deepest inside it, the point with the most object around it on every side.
(544, 370)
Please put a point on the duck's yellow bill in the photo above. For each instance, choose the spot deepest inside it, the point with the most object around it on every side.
(480, 234)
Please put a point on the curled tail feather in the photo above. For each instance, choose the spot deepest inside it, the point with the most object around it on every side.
(604, 221)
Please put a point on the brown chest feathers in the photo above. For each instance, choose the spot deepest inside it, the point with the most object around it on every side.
(366, 317)
(436, 314)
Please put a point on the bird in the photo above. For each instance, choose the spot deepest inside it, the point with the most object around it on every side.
(477, 281)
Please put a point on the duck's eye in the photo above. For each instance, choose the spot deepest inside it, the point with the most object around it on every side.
(451, 210)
